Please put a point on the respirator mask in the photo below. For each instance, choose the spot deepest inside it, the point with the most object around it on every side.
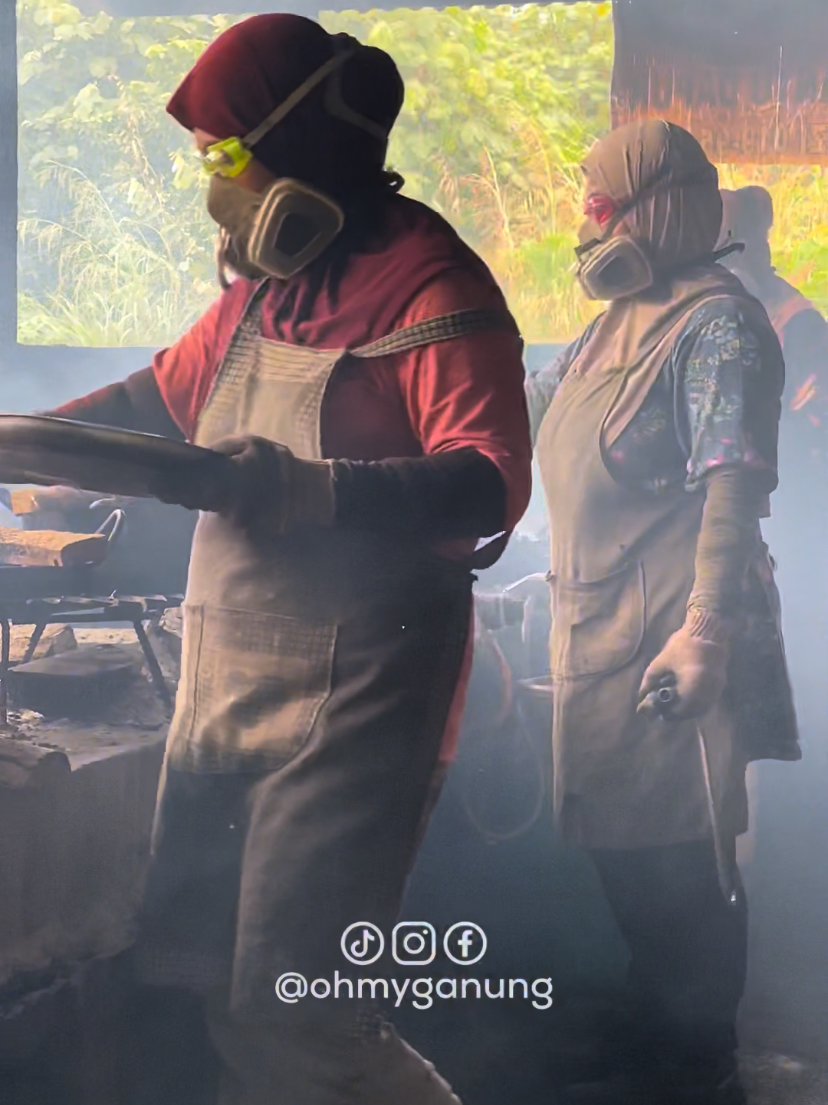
(281, 231)
(617, 267)
(613, 267)
(274, 233)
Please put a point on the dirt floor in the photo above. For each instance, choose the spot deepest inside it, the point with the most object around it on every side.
(779, 1080)
(527, 1060)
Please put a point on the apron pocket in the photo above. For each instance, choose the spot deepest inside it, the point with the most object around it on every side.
(252, 683)
(598, 627)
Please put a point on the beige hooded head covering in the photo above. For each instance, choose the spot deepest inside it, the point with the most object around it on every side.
(666, 193)
(659, 177)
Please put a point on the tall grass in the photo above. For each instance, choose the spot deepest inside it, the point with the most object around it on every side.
(116, 279)
(115, 245)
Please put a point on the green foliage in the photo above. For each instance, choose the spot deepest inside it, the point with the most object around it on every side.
(115, 246)
(501, 105)
(497, 99)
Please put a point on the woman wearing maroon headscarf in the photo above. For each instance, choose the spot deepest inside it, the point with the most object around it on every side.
(362, 371)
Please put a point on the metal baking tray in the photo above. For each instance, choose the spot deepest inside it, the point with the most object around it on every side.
(36, 449)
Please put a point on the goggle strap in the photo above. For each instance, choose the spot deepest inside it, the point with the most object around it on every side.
(335, 105)
(295, 98)
(725, 251)
(658, 184)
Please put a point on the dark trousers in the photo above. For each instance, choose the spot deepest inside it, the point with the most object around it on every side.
(688, 957)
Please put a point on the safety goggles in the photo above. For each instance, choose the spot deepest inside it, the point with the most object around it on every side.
(600, 208)
(231, 156)
(608, 212)
(228, 158)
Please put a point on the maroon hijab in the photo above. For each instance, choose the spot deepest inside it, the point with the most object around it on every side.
(255, 65)
(380, 265)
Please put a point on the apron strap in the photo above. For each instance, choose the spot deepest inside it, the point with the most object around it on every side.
(442, 328)
(249, 328)
(458, 324)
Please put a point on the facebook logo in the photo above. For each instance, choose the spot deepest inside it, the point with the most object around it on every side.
(465, 943)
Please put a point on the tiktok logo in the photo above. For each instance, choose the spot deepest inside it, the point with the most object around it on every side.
(362, 943)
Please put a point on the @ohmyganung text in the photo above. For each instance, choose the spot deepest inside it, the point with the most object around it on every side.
(414, 943)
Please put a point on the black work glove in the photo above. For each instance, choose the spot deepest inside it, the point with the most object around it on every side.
(264, 488)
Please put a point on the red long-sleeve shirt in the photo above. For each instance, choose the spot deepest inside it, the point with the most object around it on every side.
(462, 393)
(467, 392)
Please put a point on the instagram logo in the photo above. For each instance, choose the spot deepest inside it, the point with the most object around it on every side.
(414, 943)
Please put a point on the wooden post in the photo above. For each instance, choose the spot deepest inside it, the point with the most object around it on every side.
(8, 178)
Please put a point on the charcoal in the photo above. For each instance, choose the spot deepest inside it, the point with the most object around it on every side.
(79, 683)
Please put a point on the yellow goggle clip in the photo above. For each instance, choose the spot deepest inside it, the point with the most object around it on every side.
(231, 156)
(228, 158)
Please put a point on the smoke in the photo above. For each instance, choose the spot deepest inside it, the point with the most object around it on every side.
(42, 377)
(786, 1005)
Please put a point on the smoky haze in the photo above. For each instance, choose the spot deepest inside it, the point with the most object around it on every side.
(541, 900)
(787, 881)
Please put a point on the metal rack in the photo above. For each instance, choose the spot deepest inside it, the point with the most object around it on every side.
(43, 612)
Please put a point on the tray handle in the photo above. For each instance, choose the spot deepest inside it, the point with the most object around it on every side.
(112, 526)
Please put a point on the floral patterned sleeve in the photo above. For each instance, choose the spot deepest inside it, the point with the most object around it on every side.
(729, 377)
(542, 385)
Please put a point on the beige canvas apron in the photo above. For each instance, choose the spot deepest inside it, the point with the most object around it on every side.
(260, 624)
(622, 568)
(318, 674)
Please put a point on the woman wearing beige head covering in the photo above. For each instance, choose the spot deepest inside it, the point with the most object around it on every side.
(656, 440)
